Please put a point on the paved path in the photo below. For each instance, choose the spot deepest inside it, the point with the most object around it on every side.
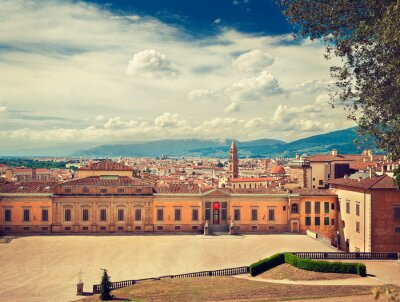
(45, 268)
(350, 281)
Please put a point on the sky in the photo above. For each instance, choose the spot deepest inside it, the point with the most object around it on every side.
(101, 72)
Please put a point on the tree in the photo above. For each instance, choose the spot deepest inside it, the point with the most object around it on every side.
(105, 290)
(365, 36)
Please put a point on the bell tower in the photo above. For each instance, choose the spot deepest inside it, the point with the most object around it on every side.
(233, 163)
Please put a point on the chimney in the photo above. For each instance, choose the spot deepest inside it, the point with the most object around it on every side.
(370, 155)
(346, 176)
(360, 179)
(8, 174)
(297, 156)
(334, 152)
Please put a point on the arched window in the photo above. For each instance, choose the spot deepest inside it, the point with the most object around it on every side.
(295, 208)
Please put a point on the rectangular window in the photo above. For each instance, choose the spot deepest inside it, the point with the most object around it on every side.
(195, 214)
(308, 207)
(326, 207)
(121, 214)
(271, 214)
(138, 191)
(177, 214)
(160, 214)
(348, 207)
(67, 190)
(321, 182)
(236, 214)
(332, 206)
(254, 214)
(85, 190)
(67, 215)
(208, 214)
(357, 227)
(103, 190)
(224, 205)
(326, 220)
(85, 215)
(45, 215)
(317, 220)
(27, 215)
(223, 214)
(332, 221)
(138, 214)
(396, 212)
(121, 190)
(103, 215)
(397, 230)
(7, 215)
(317, 207)
(308, 220)
(358, 209)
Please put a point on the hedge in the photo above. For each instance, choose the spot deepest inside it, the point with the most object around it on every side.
(307, 264)
(325, 266)
(266, 264)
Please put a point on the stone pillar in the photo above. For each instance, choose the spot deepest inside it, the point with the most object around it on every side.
(79, 289)
(94, 210)
(112, 217)
(129, 216)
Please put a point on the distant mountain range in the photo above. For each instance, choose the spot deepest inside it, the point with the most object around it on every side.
(342, 140)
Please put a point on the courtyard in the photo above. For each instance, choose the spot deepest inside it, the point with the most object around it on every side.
(45, 268)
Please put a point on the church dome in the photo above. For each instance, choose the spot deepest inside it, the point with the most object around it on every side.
(278, 170)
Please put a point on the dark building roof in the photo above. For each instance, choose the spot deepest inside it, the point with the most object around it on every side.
(106, 165)
(374, 183)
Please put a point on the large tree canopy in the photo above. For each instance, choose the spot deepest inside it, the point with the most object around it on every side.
(365, 35)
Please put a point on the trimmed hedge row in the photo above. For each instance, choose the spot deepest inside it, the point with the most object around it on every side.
(307, 264)
(325, 266)
(266, 264)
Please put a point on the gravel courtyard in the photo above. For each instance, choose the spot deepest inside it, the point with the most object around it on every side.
(45, 268)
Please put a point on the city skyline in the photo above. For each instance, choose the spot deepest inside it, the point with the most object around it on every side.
(96, 72)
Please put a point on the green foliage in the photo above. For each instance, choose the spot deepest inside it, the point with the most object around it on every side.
(105, 284)
(32, 163)
(324, 266)
(266, 264)
(307, 264)
(365, 36)
(396, 179)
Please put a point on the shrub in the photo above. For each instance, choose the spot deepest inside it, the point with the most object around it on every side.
(266, 264)
(324, 266)
(105, 290)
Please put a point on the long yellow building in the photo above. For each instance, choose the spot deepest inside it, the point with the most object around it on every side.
(107, 198)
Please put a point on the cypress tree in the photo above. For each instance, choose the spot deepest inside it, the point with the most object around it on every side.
(105, 290)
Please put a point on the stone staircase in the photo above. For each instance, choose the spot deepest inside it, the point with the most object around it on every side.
(219, 229)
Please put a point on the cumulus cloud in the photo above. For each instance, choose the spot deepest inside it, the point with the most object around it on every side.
(255, 88)
(118, 123)
(312, 86)
(232, 107)
(255, 60)
(201, 94)
(167, 119)
(153, 64)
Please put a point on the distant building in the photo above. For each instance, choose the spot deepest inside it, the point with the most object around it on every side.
(233, 163)
(28, 174)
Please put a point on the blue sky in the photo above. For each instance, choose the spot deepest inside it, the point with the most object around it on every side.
(99, 72)
(198, 18)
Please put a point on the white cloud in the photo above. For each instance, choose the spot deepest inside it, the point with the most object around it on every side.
(153, 64)
(232, 107)
(255, 60)
(78, 55)
(217, 21)
(256, 88)
(201, 94)
(3, 108)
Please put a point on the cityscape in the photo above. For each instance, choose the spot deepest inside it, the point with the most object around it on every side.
(165, 152)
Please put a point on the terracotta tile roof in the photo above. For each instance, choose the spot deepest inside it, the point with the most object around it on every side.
(379, 182)
(360, 165)
(250, 179)
(179, 189)
(262, 190)
(342, 157)
(27, 187)
(105, 182)
(107, 165)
